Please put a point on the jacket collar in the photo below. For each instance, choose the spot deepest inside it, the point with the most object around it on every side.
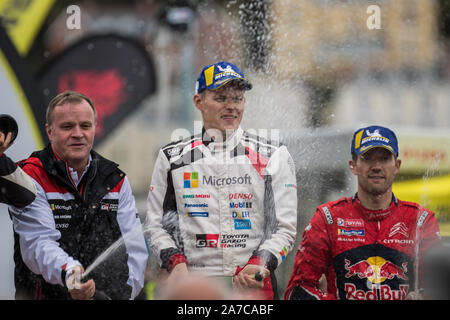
(374, 214)
(59, 168)
(228, 145)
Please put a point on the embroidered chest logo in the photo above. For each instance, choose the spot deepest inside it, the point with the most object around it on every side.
(399, 228)
(109, 206)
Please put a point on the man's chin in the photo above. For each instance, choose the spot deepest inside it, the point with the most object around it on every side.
(77, 157)
(377, 191)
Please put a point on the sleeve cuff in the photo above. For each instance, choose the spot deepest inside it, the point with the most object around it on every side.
(264, 257)
(257, 260)
(66, 270)
(174, 260)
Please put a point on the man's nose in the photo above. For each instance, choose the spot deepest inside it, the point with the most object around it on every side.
(376, 164)
(77, 132)
(231, 103)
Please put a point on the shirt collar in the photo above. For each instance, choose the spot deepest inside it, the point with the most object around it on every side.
(74, 175)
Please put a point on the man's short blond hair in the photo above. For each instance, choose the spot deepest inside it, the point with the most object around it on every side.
(67, 97)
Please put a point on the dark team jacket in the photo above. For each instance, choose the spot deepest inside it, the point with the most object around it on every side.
(87, 223)
(364, 254)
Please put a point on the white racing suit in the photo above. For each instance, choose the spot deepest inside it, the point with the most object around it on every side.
(218, 206)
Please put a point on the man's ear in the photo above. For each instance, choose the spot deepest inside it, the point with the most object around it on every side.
(398, 163)
(48, 129)
(352, 166)
(197, 99)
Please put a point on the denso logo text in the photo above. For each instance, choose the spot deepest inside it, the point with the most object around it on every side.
(237, 196)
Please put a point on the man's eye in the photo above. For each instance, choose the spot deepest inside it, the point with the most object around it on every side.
(220, 99)
(237, 99)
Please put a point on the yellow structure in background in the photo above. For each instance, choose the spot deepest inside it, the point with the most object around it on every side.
(432, 193)
(426, 153)
(23, 19)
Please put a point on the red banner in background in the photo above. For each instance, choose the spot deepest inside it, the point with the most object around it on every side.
(117, 73)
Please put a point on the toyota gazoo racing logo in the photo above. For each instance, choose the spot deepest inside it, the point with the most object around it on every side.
(376, 270)
(207, 240)
(109, 206)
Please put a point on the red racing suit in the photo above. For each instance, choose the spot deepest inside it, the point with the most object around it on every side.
(364, 254)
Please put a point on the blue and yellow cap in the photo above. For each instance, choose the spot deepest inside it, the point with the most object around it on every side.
(367, 138)
(216, 75)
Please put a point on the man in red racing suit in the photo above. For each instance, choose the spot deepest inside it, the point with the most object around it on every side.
(370, 246)
(364, 254)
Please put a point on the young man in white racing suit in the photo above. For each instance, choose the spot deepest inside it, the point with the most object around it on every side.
(224, 202)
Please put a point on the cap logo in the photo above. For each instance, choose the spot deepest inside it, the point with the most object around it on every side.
(227, 69)
(209, 73)
(376, 133)
(374, 137)
(358, 139)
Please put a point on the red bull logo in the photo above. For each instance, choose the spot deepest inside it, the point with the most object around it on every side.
(362, 269)
(376, 270)
(384, 293)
